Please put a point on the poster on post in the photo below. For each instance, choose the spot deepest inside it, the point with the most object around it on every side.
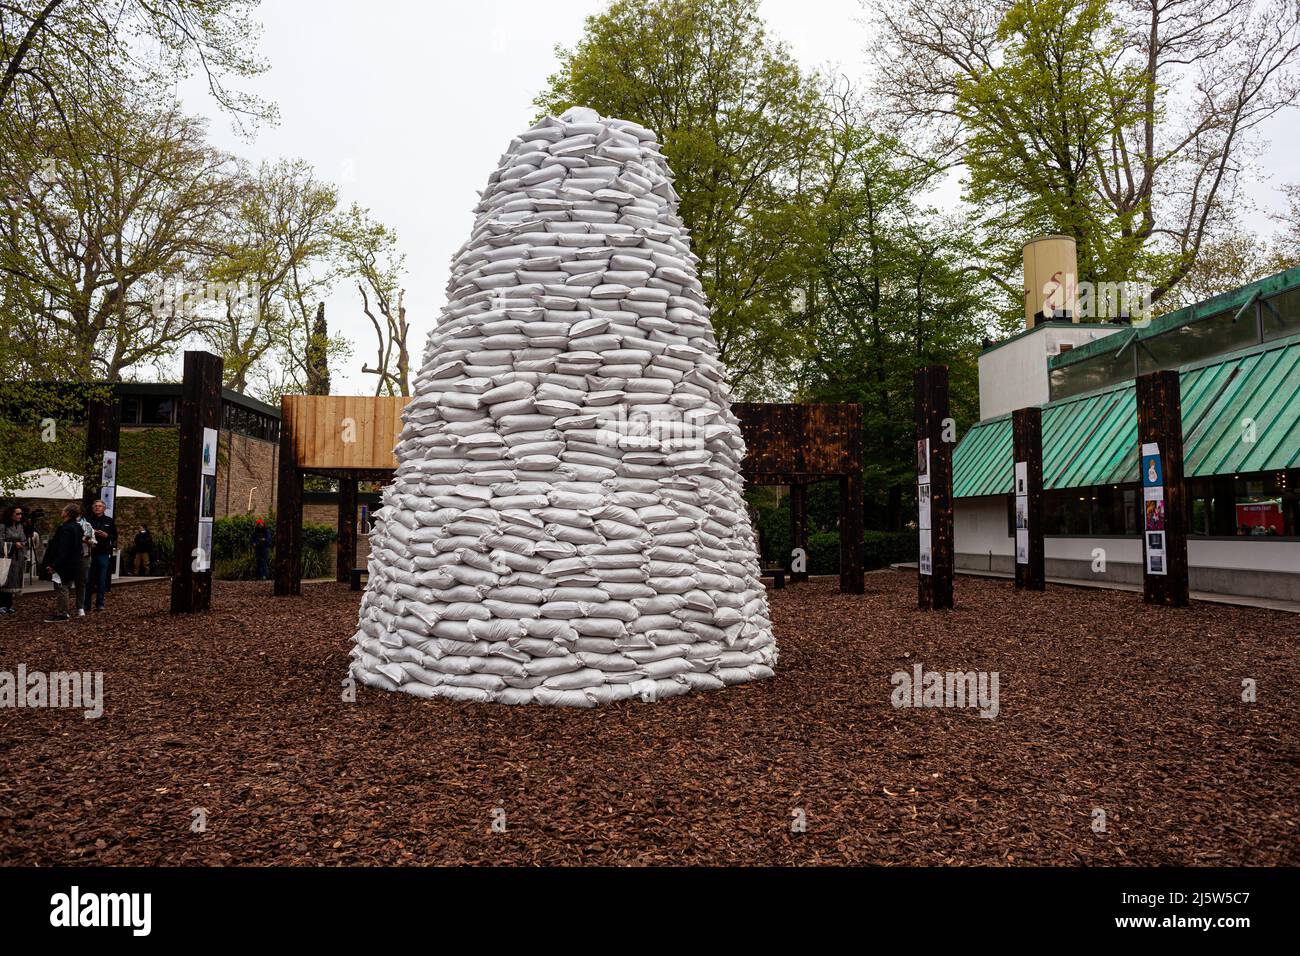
(1153, 508)
(108, 481)
(203, 559)
(207, 500)
(923, 506)
(1022, 512)
(209, 451)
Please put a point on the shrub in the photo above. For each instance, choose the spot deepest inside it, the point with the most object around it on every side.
(879, 549)
(232, 548)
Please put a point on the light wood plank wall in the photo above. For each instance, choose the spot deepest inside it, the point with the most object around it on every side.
(318, 424)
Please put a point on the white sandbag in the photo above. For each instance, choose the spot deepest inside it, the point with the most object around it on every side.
(566, 525)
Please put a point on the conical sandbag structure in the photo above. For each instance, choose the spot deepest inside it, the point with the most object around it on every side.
(566, 523)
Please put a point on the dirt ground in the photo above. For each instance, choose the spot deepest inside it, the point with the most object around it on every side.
(237, 719)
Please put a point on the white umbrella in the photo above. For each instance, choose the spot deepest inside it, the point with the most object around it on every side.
(57, 485)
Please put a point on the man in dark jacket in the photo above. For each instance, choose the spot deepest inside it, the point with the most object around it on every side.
(262, 549)
(143, 551)
(101, 553)
(63, 562)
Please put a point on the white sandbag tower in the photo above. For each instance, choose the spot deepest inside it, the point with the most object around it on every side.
(566, 523)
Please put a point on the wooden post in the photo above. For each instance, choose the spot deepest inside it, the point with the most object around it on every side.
(347, 541)
(851, 564)
(935, 436)
(1164, 495)
(1027, 438)
(288, 512)
(200, 423)
(103, 430)
(798, 527)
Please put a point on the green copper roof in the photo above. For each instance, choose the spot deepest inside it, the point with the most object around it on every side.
(1241, 413)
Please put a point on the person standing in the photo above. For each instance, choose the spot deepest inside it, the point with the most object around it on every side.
(15, 544)
(262, 549)
(142, 561)
(63, 562)
(83, 566)
(103, 545)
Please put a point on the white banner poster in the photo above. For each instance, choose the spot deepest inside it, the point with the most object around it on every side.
(926, 558)
(108, 481)
(207, 500)
(209, 451)
(203, 557)
(923, 506)
(1155, 541)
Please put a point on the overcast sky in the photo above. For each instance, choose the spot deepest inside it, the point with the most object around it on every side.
(407, 104)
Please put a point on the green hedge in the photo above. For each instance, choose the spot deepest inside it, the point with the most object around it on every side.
(879, 549)
(232, 548)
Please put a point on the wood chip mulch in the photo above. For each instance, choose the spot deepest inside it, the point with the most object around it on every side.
(1105, 704)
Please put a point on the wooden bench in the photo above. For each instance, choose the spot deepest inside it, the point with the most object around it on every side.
(356, 578)
(776, 574)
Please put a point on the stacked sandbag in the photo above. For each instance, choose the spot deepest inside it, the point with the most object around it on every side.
(566, 523)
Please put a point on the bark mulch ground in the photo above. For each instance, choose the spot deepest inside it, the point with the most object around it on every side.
(1105, 704)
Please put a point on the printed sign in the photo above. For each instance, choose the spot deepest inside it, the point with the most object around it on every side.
(108, 482)
(209, 451)
(1155, 541)
(207, 499)
(1153, 473)
(923, 506)
(927, 556)
(203, 560)
(1022, 512)
(923, 462)
(1153, 509)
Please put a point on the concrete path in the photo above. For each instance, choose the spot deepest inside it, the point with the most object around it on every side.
(1241, 600)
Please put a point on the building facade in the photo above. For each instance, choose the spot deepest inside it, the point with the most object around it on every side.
(1238, 359)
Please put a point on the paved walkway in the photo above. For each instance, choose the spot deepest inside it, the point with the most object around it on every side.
(47, 586)
(1241, 600)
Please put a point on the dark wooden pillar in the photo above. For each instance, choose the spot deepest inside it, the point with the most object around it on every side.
(798, 528)
(200, 424)
(1027, 438)
(851, 564)
(347, 542)
(103, 430)
(288, 513)
(934, 440)
(1164, 495)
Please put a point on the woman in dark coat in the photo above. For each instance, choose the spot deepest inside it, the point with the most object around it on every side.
(63, 558)
(15, 544)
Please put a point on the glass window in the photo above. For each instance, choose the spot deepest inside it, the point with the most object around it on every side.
(130, 410)
(157, 411)
(1202, 339)
(1281, 315)
(1092, 373)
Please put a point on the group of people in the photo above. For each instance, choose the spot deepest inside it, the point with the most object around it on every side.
(77, 559)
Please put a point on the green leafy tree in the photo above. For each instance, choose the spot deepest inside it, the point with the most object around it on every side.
(1127, 124)
(370, 252)
(738, 121)
(67, 53)
(102, 239)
